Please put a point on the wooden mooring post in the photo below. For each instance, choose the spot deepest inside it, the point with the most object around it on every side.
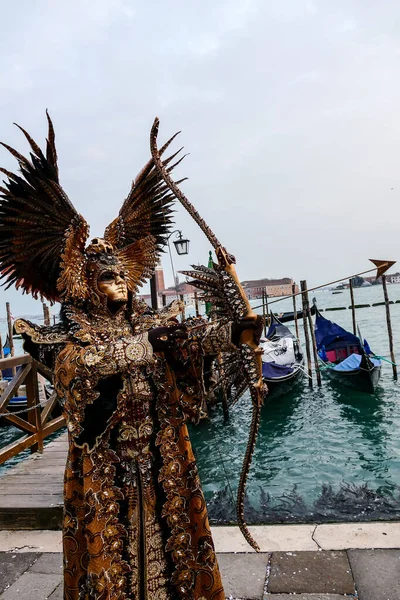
(303, 287)
(296, 324)
(389, 327)
(224, 395)
(181, 298)
(264, 314)
(353, 309)
(46, 315)
(196, 304)
(10, 333)
(313, 340)
(266, 307)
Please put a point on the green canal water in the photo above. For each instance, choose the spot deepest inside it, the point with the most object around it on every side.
(323, 454)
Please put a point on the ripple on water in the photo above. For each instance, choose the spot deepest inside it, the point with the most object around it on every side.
(335, 443)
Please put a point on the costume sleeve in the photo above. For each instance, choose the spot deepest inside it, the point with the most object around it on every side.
(215, 338)
(41, 342)
(187, 357)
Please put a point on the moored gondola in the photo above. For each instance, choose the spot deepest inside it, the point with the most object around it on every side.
(345, 357)
(283, 360)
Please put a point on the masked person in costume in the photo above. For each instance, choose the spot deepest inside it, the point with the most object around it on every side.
(135, 519)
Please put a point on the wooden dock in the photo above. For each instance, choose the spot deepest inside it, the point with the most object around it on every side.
(31, 493)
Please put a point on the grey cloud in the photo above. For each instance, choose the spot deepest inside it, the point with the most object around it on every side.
(289, 111)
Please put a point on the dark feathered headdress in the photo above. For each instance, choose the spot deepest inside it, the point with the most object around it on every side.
(43, 237)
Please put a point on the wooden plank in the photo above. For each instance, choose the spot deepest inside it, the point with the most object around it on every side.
(31, 493)
(51, 403)
(56, 470)
(53, 426)
(16, 447)
(16, 381)
(28, 488)
(18, 422)
(43, 370)
(48, 518)
(15, 361)
(51, 478)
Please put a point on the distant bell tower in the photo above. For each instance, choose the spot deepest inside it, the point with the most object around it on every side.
(159, 273)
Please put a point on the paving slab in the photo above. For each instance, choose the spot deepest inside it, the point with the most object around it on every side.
(376, 573)
(58, 593)
(13, 566)
(30, 541)
(270, 538)
(32, 586)
(344, 536)
(243, 575)
(305, 597)
(310, 572)
(49, 563)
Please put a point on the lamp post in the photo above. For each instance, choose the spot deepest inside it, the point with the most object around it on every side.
(182, 247)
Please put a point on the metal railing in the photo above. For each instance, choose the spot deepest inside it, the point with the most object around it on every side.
(36, 420)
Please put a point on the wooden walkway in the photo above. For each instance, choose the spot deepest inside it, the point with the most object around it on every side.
(31, 493)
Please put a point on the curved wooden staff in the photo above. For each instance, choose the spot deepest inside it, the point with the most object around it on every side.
(251, 353)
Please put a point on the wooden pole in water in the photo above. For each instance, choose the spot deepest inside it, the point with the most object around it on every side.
(46, 314)
(303, 286)
(266, 307)
(164, 300)
(295, 310)
(10, 334)
(10, 329)
(196, 304)
(181, 298)
(264, 315)
(224, 395)
(314, 342)
(353, 310)
(54, 319)
(389, 327)
(1, 351)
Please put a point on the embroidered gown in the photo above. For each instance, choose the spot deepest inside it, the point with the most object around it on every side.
(135, 518)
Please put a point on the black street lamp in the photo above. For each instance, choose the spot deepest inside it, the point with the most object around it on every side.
(182, 247)
(181, 243)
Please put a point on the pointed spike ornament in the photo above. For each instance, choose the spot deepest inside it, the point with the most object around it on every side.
(382, 266)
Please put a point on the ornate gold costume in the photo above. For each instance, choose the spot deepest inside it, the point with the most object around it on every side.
(135, 519)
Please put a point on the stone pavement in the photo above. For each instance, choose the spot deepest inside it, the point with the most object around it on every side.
(301, 575)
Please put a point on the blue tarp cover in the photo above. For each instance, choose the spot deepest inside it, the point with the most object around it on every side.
(272, 369)
(327, 332)
(353, 362)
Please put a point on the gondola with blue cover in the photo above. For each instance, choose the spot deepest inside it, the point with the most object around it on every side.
(345, 358)
(283, 360)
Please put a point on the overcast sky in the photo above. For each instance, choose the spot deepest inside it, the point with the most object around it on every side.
(290, 110)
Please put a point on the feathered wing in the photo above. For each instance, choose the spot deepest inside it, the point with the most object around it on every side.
(222, 292)
(37, 220)
(146, 213)
(139, 260)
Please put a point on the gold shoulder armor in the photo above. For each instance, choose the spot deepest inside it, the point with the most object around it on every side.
(40, 334)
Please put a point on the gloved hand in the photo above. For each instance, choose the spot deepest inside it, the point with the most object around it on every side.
(164, 338)
(247, 323)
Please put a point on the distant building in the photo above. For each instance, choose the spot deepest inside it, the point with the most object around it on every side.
(273, 287)
(395, 278)
(183, 291)
(253, 289)
(390, 278)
